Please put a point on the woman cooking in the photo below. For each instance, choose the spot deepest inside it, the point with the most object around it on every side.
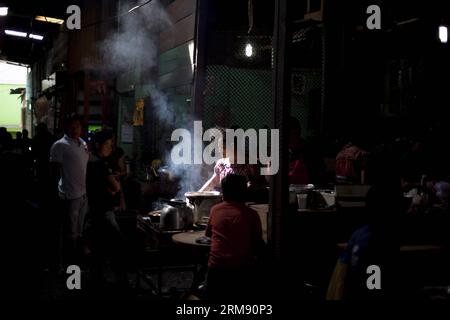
(256, 184)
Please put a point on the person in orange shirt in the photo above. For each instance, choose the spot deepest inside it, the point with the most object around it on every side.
(351, 164)
(236, 242)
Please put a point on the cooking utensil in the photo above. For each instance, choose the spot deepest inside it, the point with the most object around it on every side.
(154, 216)
(176, 215)
(295, 189)
(201, 204)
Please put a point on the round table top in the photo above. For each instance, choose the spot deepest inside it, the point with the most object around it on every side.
(190, 238)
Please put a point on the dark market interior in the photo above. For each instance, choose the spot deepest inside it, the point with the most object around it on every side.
(355, 106)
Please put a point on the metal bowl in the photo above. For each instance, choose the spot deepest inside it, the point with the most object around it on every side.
(201, 204)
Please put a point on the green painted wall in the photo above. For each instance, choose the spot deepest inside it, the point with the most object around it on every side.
(10, 107)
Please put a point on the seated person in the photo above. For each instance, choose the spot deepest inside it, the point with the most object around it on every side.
(351, 164)
(375, 243)
(416, 162)
(433, 191)
(442, 192)
(236, 241)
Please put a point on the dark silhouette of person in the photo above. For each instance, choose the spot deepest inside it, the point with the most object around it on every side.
(25, 137)
(6, 140)
(20, 228)
(46, 193)
(376, 243)
(305, 166)
(40, 146)
(18, 143)
(103, 232)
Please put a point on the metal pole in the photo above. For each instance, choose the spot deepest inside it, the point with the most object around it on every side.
(200, 57)
(281, 112)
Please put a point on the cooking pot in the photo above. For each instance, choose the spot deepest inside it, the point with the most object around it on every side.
(176, 215)
(201, 204)
(295, 189)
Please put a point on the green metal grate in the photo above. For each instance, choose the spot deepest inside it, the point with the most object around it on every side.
(237, 97)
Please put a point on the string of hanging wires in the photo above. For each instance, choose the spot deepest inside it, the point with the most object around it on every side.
(89, 24)
(92, 24)
(117, 16)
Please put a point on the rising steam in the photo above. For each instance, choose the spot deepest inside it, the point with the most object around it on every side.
(136, 41)
(136, 45)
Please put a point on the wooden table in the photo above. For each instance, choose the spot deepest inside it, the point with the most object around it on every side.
(189, 238)
(199, 250)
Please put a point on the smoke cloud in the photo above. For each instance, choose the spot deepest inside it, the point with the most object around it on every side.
(136, 41)
(135, 45)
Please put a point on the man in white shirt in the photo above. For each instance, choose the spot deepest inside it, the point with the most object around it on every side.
(69, 157)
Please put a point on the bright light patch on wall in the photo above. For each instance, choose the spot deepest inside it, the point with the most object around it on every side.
(36, 37)
(16, 33)
(249, 50)
(443, 34)
(12, 74)
(191, 54)
(3, 11)
(49, 20)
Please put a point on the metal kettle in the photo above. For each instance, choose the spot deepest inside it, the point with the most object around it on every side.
(176, 215)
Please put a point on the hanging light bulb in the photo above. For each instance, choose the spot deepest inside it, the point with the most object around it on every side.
(3, 11)
(249, 50)
(443, 33)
